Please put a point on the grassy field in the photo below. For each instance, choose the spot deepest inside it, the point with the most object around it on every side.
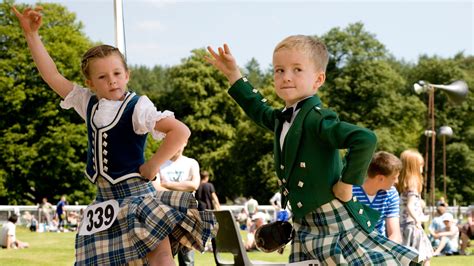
(58, 249)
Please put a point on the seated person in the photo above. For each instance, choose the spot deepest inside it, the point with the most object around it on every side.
(467, 230)
(437, 225)
(449, 237)
(8, 235)
(258, 219)
(242, 219)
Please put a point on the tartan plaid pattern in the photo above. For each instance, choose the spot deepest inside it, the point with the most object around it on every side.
(331, 236)
(146, 217)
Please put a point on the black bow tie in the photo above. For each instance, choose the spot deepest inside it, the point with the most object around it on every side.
(288, 113)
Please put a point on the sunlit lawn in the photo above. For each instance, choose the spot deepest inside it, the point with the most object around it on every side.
(58, 249)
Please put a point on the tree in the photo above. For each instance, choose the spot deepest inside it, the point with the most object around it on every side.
(364, 89)
(43, 147)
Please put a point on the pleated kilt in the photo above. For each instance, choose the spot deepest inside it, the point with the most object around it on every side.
(145, 218)
(331, 236)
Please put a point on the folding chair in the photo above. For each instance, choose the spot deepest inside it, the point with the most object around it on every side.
(228, 240)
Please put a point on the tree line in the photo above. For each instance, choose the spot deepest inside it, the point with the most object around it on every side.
(43, 148)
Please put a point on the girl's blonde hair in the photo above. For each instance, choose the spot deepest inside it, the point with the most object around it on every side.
(313, 47)
(99, 51)
(410, 176)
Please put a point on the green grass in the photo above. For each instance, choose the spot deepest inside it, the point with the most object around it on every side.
(58, 249)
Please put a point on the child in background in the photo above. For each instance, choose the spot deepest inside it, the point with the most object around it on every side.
(330, 226)
(148, 226)
(410, 185)
(379, 193)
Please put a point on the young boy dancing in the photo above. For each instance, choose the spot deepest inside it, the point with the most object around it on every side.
(330, 226)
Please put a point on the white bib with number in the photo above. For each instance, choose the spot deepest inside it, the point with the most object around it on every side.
(99, 217)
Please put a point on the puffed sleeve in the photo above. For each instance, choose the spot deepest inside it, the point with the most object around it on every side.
(78, 99)
(145, 117)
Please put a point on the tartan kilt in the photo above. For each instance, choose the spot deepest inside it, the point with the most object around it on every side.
(329, 235)
(145, 218)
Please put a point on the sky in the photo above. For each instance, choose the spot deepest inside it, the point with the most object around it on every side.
(159, 32)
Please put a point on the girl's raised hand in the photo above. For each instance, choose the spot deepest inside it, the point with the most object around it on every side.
(225, 62)
(30, 19)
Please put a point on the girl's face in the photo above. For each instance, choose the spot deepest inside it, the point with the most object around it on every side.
(108, 77)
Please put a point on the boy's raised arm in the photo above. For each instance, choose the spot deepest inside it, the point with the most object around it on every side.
(30, 22)
(225, 62)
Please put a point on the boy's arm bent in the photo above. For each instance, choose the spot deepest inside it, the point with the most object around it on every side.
(30, 22)
(359, 142)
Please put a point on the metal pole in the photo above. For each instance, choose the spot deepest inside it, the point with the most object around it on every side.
(433, 142)
(119, 27)
(444, 168)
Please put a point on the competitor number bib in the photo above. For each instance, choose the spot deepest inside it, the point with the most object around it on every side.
(99, 217)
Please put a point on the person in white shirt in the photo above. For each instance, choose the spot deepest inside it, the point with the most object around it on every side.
(449, 243)
(8, 235)
(180, 173)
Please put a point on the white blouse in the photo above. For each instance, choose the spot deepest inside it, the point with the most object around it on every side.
(144, 115)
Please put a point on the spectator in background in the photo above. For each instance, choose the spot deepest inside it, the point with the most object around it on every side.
(8, 235)
(33, 224)
(46, 210)
(467, 230)
(411, 211)
(206, 194)
(258, 219)
(437, 225)
(280, 214)
(449, 236)
(242, 219)
(379, 193)
(61, 213)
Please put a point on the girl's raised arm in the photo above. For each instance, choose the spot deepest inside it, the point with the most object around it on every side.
(30, 21)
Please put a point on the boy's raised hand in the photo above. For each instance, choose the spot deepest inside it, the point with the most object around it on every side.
(30, 20)
(225, 62)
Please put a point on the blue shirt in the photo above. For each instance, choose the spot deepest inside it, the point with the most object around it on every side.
(386, 202)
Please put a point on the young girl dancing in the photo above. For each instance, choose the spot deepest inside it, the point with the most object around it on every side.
(129, 221)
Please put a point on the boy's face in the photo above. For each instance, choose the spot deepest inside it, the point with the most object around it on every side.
(388, 181)
(295, 75)
(108, 77)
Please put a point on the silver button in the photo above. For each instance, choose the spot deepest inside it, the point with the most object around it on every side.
(244, 79)
(106, 168)
(302, 164)
(299, 204)
(105, 152)
(361, 211)
(284, 181)
(254, 90)
(104, 144)
(282, 166)
(264, 100)
(105, 135)
(354, 199)
(105, 161)
(368, 223)
(300, 183)
(285, 192)
(279, 182)
(319, 108)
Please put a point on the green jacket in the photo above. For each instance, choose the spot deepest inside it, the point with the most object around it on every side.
(309, 163)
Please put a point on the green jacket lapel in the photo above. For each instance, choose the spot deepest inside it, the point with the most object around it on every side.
(293, 137)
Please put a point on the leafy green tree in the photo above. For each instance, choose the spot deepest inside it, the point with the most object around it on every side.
(43, 147)
(364, 89)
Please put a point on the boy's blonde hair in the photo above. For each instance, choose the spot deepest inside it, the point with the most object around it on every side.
(99, 51)
(410, 176)
(313, 47)
(384, 163)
